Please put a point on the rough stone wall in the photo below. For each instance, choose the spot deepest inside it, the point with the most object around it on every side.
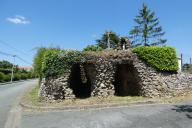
(177, 81)
(55, 88)
(150, 83)
(102, 76)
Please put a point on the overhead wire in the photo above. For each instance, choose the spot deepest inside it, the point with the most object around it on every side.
(23, 60)
(8, 45)
(7, 54)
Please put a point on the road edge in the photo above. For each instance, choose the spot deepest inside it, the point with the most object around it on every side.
(86, 107)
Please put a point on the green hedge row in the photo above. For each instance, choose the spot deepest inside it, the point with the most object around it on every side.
(16, 76)
(58, 62)
(161, 58)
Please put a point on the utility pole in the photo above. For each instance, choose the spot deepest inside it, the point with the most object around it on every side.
(108, 40)
(181, 62)
(12, 68)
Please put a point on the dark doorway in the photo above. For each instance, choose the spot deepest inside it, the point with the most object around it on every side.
(80, 89)
(126, 81)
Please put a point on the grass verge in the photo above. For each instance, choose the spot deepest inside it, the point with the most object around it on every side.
(33, 95)
(31, 98)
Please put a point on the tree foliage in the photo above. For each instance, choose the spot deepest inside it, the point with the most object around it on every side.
(92, 48)
(5, 64)
(113, 39)
(6, 67)
(147, 30)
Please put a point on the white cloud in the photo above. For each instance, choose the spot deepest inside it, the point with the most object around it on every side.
(17, 19)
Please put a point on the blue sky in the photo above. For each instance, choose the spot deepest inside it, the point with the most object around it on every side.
(73, 24)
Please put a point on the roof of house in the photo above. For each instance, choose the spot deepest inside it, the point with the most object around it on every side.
(25, 67)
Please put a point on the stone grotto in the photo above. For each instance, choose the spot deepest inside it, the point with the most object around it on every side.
(121, 73)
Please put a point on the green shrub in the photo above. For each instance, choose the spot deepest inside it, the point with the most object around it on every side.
(58, 62)
(161, 58)
(1, 77)
(33, 75)
(29, 75)
(23, 76)
(7, 78)
(17, 76)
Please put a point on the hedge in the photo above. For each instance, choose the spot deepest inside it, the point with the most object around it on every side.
(1, 77)
(16, 76)
(161, 58)
(59, 62)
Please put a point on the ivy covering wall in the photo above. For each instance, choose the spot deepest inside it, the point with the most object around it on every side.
(59, 62)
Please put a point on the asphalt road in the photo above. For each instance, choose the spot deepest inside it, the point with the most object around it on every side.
(143, 116)
(9, 98)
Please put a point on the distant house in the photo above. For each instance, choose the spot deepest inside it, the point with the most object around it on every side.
(179, 64)
(26, 68)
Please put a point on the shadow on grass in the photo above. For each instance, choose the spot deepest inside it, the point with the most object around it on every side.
(187, 109)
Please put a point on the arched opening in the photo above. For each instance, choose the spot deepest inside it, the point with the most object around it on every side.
(80, 89)
(126, 81)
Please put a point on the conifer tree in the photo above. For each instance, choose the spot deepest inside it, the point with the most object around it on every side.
(147, 31)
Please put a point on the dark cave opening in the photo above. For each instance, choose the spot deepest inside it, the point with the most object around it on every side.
(126, 81)
(80, 89)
